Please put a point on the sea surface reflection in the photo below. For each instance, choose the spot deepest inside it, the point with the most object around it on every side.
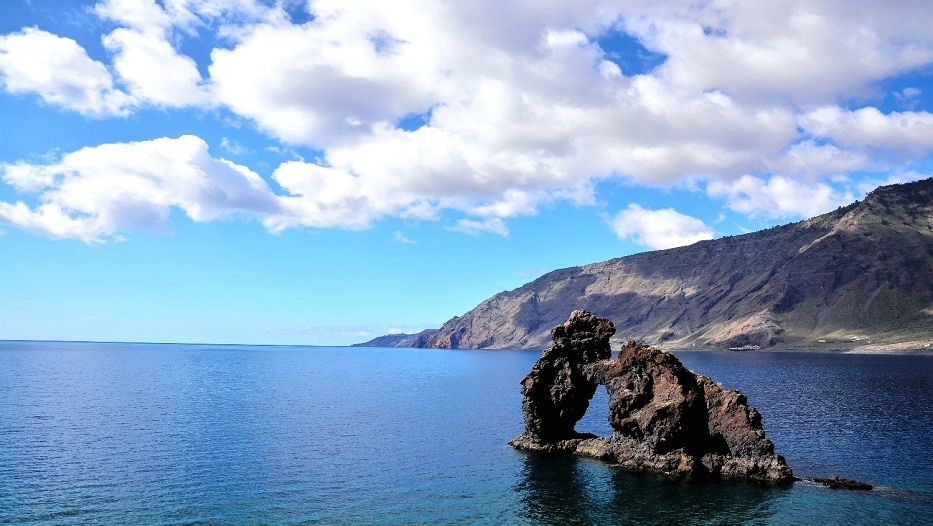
(188, 434)
(575, 491)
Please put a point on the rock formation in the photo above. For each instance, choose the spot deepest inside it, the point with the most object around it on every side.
(837, 482)
(664, 418)
(558, 389)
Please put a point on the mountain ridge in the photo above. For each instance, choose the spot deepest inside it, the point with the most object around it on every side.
(861, 275)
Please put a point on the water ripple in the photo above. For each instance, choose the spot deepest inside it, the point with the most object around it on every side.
(149, 434)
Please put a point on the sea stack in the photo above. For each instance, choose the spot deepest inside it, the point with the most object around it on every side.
(664, 418)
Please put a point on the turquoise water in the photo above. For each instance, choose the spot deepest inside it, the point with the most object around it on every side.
(182, 434)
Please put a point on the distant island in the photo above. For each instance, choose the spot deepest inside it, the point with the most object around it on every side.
(858, 278)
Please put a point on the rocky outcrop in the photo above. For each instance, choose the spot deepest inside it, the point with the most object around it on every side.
(837, 482)
(558, 389)
(664, 418)
(418, 340)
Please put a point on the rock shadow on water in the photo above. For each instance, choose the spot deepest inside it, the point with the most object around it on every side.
(578, 491)
(558, 491)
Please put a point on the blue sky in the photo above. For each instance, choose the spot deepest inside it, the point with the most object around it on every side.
(324, 172)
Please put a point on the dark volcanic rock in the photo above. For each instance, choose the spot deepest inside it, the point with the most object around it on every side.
(837, 482)
(664, 418)
(558, 390)
(655, 400)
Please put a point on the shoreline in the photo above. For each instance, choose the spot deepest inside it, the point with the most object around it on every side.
(912, 348)
(886, 352)
(914, 345)
(894, 349)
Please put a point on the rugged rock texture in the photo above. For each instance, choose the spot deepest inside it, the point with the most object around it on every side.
(423, 339)
(664, 418)
(857, 275)
(837, 482)
(558, 389)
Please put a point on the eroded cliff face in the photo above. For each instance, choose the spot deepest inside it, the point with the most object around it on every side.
(664, 418)
(860, 271)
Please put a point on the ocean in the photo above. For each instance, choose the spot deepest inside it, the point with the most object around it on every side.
(113, 433)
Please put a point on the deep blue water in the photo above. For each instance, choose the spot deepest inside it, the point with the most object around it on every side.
(182, 434)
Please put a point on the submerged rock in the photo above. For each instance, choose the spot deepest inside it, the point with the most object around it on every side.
(837, 482)
(664, 418)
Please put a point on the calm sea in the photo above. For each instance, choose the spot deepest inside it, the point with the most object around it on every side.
(201, 434)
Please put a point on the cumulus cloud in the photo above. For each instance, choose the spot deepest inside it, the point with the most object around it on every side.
(518, 113)
(353, 66)
(542, 106)
(907, 132)
(60, 72)
(321, 197)
(475, 228)
(659, 229)
(93, 193)
(778, 197)
(150, 67)
(810, 161)
(153, 71)
(149, 70)
(799, 50)
(516, 105)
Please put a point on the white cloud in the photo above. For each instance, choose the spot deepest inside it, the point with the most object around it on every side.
(475, 228)
(153, 71)
(60, 72)
(798, 50)
(659, 229)
(906, 132)
(320, 197)
(186, 15)
(94, 193)
(144, 15)
(513, 202)
(520, 104)
(145, 59)
(352, 67)
(809, 161)
(49, 219)
(533, 104)
(778, 197)
(233, 147)
(400, 237)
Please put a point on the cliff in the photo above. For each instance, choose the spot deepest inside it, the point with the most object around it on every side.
(858, 276)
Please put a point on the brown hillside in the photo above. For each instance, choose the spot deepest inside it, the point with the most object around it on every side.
(863, 273)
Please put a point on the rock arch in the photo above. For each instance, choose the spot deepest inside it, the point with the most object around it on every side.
(663, 417)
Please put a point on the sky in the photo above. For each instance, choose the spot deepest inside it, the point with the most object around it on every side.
(324, 172)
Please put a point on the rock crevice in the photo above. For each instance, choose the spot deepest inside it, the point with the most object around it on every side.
(664, 418)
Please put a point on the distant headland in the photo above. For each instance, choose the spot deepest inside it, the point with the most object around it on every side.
(857, 279)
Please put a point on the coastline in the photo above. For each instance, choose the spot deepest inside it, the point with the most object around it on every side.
(894, 349)
(913, 345)
(911, 348)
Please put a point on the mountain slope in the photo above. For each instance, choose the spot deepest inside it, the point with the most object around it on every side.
(864, 271)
